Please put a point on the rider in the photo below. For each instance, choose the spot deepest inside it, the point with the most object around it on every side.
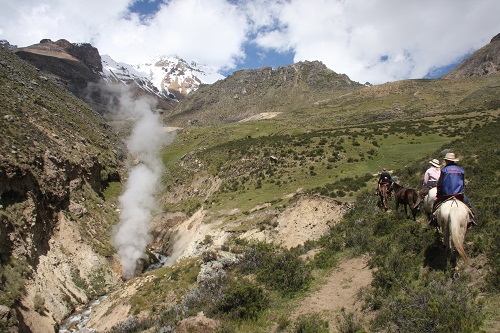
(451, 184)
(385, 178)
(431, 176)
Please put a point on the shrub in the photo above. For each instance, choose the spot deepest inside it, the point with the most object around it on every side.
(279, 269)
(396, 268)
(12, 276)
(38, 303)
(348, 323)
(243, 299)
(493, 276)
(285, 272)
(254, 255)
(435, 304)
(207, 296)
(312, 323)
(325, 258)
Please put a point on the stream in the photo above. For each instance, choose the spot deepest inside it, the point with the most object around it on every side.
(77, 321)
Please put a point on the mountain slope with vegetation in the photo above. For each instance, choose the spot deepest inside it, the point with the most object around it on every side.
(247, 93)
(236, 192)
(57, 158)
(234, 189)
(255, 216)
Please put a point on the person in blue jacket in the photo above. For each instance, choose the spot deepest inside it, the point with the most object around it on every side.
(451, 183)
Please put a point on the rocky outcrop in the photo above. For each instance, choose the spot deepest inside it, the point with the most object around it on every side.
(84, 52)
(485, 61)
(54, 61)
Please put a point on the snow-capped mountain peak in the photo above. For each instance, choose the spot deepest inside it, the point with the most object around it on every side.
(166, 77)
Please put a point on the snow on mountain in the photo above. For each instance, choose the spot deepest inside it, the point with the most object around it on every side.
(121, 72)
(166, 77)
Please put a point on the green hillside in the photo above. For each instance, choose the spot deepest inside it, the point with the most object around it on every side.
(310, 149)
(335, 149)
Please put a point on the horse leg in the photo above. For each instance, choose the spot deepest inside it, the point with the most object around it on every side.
(447, 243)
(453, 257)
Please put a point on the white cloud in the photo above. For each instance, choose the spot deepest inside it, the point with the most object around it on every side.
(349, 36)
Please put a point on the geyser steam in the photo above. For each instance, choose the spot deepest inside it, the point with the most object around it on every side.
(137, 201)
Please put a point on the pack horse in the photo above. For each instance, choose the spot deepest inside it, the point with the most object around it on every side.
(407, 197)
(384, 194)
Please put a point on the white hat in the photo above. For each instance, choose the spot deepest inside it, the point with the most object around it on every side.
(435, 162)
(451, 157)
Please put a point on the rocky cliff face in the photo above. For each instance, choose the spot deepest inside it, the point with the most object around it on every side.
(485, 61)
(84, 52)
(57, 157)
(73, 66)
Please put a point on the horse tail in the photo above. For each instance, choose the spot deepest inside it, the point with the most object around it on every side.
(418, 202)
(457, 234)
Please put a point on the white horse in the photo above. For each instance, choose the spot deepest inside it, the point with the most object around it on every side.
(429, 201)
(453, 216)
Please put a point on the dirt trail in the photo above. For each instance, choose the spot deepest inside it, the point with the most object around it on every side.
(340, 290)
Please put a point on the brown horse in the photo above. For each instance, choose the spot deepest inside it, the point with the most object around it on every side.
(384, 193)
(407, 197)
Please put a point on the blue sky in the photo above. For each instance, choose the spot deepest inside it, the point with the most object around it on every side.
(372, 41)
(255, 56)
(145, 7)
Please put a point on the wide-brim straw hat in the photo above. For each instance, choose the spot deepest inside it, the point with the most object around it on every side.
(451, 157)
(435, 162)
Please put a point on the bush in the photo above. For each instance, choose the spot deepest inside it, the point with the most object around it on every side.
(244, 299)
(279, 269)
(38, 303)
(285, 272)
(436, 305)
(493, 276)
(325, 258)
(12, 276)
(311, 324)
(208, 296)
(348, 323)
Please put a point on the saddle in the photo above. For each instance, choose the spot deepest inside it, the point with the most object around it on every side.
(459, 197)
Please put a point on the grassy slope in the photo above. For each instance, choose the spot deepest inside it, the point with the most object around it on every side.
(240, 153)
(338, 145)
(46, 118)
(399, 126)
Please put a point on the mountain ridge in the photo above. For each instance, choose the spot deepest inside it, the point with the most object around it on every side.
(79, 66)
(485, 61)
(246, 93)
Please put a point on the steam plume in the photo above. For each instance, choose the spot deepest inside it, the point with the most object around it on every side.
(137, 201)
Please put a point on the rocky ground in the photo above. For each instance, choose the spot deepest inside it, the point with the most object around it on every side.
(307, 218)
